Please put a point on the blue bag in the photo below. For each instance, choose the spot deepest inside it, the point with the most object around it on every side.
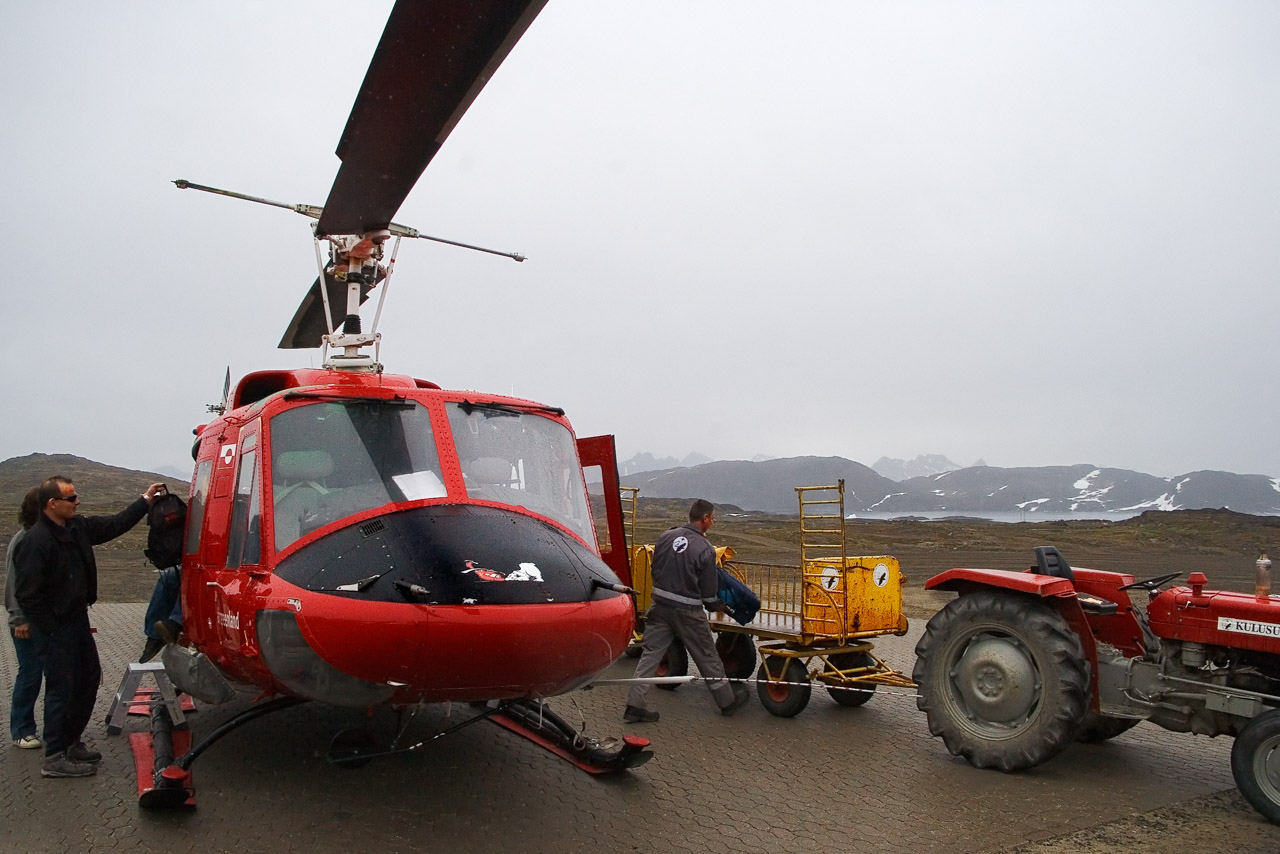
(742, 601)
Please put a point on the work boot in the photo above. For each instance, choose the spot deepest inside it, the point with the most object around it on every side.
(78, 752)
(637, 715)
(149, 650)
(168, 630)
(740, 697)
(58, 765)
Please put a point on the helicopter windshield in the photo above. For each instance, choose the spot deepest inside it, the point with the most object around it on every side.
(333, 459)
(512, 456)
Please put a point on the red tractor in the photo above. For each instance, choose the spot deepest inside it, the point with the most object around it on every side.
(1021, 664)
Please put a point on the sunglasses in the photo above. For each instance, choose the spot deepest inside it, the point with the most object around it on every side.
(73, 498)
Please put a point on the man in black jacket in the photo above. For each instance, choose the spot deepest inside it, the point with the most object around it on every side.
(685, 586)
(55, 583)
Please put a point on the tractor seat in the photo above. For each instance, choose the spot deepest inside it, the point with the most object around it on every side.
(1049, 561)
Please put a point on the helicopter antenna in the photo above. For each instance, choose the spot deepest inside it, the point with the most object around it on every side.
(226, 395)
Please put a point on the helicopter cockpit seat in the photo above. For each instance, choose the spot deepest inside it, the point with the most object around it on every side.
(488, 477)
(298, 491)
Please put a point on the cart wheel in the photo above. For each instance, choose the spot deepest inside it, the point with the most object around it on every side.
(637, 639)
(788, 699)
(851, 697)
(738, 654)
(674, 663)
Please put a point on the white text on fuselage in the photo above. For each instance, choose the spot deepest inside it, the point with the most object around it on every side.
(228, 620)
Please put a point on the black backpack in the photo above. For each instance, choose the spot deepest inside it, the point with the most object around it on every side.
(166, 526)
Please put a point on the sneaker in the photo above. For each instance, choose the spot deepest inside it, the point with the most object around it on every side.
(153, 646)
(28, 742)
(58, 765)
(78, 752)
(637, 715)
(740, 697)
(168, 630)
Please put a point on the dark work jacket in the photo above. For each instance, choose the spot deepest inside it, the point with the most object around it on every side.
(684, 569)
(56, 574)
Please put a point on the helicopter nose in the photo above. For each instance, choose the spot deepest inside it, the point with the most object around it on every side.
(360, 657)
(444, 603)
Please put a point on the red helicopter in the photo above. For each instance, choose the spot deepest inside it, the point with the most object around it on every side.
(367, 539)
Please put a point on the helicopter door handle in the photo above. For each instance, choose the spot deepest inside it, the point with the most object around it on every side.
(212, 584)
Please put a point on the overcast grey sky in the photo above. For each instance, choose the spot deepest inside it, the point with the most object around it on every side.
(1036, 233)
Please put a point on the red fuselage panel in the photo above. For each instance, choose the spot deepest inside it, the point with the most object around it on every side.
(463, 652)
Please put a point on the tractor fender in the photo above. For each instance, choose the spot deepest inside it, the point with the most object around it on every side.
(1057, 593)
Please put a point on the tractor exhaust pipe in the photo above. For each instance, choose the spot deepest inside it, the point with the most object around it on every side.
(1263, 586)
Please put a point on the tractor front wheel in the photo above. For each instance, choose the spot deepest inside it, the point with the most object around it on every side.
(1255, 763)
(1003, 679)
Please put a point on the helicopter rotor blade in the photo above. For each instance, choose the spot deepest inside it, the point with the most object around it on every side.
(431, 63)
(308, 327)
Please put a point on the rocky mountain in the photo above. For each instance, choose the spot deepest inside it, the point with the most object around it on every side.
(103, 488)
(645, 461)
(922, 466)
(1083, 488)
(768, 485)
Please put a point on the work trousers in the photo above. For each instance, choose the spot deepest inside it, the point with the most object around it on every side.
(72, 676)
(26, 685)
(166, 601)
(666, 623)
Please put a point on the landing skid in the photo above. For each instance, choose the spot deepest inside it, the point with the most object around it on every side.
(528, 718)
(536, 722)
(165, 782)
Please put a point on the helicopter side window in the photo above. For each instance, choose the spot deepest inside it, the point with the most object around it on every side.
(241, 546)
(334, 459)
(195, 509)
(510, 456)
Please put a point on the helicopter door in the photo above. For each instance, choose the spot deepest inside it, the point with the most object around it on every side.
(231, 583)
(598, 452)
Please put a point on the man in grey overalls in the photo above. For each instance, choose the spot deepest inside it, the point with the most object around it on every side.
(684, 584)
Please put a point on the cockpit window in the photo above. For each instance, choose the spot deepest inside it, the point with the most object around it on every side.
(333, 459)
(512, 456)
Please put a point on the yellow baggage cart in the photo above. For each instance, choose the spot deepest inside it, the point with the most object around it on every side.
(815, 620)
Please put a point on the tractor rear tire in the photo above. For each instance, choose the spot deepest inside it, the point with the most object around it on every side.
(674, 663)
(1099, 728)
(1002, 679)
(1255, 763)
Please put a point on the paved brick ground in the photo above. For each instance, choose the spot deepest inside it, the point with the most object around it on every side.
(831, 779)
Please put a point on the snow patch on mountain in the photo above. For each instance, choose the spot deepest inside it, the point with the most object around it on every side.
(1164, 502)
